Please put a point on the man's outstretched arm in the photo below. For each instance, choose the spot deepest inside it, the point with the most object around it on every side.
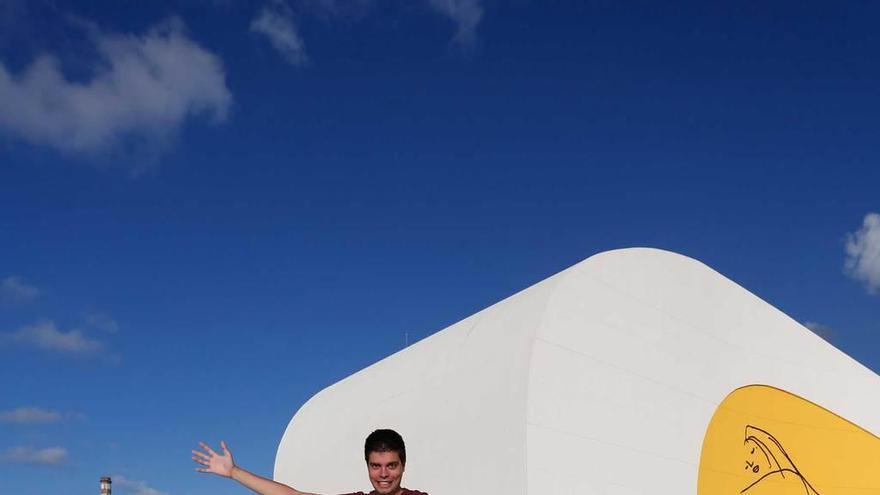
(223, 465)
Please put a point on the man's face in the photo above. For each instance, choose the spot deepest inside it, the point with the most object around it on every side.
(385, 470)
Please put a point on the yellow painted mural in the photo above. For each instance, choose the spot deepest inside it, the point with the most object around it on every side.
(766, 441)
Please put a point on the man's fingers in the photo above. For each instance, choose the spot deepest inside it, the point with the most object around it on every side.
(201, 461)
(224, 447)
(201, 470)
(200, 455)
(207, 448)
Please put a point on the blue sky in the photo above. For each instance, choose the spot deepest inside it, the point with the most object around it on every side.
(213, 209)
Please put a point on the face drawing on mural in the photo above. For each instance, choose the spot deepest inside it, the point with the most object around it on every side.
(764, 440)
(766, 460)
(757, 459)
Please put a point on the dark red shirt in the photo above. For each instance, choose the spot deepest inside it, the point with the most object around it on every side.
(403, 491)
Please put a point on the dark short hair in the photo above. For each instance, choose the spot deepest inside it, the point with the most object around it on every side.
(385, 441)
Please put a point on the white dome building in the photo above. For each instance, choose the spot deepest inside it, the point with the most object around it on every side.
(612, 377)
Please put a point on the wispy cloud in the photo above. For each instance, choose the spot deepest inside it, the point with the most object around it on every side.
(37, 415)
(351, 9)
(819, 329)
(143, 89)
(275, 22)
(102, 321)
(863, 253)
(46, 336)
(135, 487)
(14, 290)
(23, 415)
(466, 15)
(51, 456)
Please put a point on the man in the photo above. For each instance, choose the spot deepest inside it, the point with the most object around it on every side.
(384, 452)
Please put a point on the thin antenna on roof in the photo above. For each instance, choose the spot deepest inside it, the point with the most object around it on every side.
(406, 339)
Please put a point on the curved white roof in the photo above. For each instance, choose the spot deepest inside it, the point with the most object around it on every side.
(599, 379)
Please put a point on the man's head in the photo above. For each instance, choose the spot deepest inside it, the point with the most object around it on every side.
(385, 454)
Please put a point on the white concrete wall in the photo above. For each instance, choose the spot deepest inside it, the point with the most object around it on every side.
(601, 379)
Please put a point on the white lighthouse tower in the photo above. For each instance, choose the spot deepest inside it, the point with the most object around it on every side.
(105, 485)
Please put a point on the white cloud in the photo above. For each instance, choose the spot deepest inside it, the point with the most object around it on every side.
(29, 455)
(29, 415)
(44, 335)
(14, 290)
(135, 487)
(863, 253)
(144, 89)
(275, 21)
(102, 321)
(466, 15)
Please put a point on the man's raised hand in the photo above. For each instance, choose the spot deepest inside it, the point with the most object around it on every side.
(219, 464)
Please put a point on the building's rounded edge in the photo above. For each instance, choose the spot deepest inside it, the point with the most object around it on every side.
(565, 273)
(698, 264)
(288, 430)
